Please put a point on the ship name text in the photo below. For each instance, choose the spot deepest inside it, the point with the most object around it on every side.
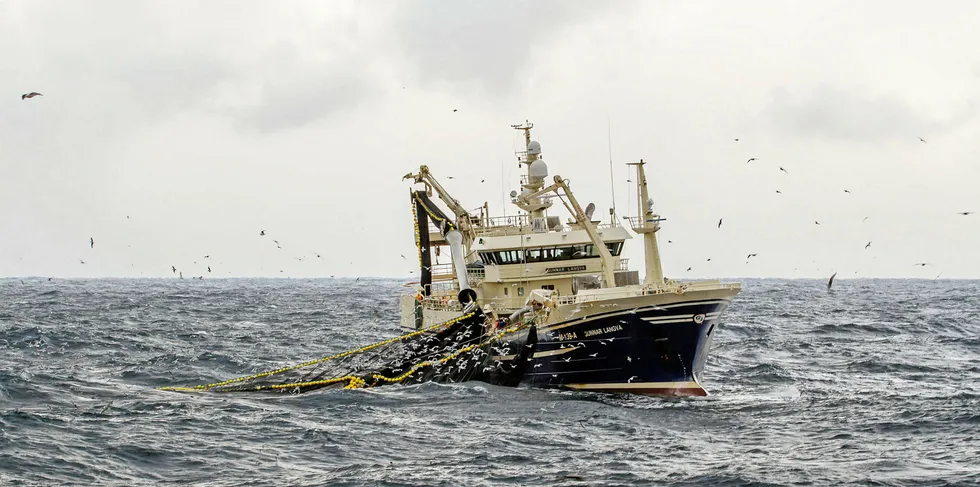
(602, 331)
(570, 268)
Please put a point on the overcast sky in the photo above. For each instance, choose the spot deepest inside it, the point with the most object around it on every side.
(168, 131)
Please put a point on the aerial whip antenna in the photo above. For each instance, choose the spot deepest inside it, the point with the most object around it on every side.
(612, 184)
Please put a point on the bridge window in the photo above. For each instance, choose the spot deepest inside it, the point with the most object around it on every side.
(547, 254)
(615, 248)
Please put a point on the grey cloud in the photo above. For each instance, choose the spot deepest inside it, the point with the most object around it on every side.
(290, 100)
(485, 43)
(159, 62)
(845, 115)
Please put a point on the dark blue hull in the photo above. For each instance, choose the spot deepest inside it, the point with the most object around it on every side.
(648, 350)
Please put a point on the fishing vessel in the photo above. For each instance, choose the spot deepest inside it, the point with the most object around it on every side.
(598, 326)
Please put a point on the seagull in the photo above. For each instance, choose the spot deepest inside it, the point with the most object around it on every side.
(91, 241)
(750, 160)
(82, 261)
(750, 256)
(174, 268)
(398, 254)
(209, 269)
(30, 95)
(594, 354)
(736, 140)
(923, 140)
(709, 259)
(779, 192)
(689, 269)
(866, 246)
(262, 233)
(831, 281)
(636, 376)
(846, 191)
(455, 110)
(923, 264)
(719, 222)
(814, 221)
(863, 219)
(964, 213)
(483, 180)
(783, 170)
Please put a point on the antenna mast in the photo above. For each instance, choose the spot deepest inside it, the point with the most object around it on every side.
(612, 185)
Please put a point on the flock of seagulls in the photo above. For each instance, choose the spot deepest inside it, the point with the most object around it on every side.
(174, 270)
(262, 233)
(816, 222)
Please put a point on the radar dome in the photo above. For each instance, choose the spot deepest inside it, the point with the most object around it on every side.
(534, 148)
(538, 169)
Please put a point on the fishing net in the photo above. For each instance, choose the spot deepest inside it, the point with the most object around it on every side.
(469, 347)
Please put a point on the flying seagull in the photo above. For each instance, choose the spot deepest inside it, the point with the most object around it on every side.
(174, 268)
(923, 140)
(750, 160)
(783, 170)
(923, 264)
(209, 268)
(30, 95)
(846, 191)
(91, 242)
(736, 140)
(831, 281)
(965, 213)
(814, 221)
(779, 192)
(866, 246)
(750, 256)
(719, 222)
(262, 233)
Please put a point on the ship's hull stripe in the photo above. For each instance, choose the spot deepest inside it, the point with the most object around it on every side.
(573, 371)
(547, 353)
(677, 318)
(637, 385)
(586, 319)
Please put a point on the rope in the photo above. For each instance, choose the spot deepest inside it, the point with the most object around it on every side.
(357, 382)
(260, 375)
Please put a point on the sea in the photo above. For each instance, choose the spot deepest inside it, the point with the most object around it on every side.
(874, 383)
